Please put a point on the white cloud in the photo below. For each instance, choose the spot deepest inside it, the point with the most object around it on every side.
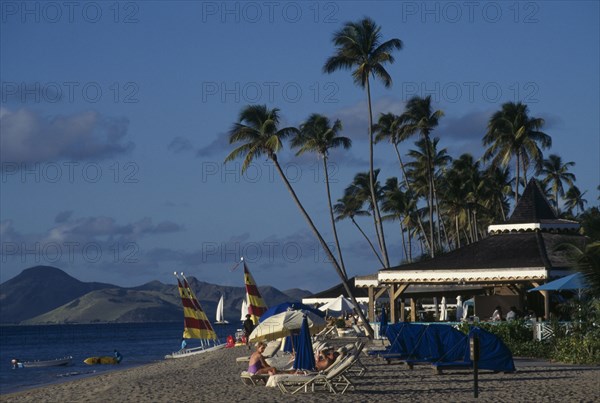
(28, 137)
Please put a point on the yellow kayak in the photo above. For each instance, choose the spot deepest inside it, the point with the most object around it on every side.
(100, 360)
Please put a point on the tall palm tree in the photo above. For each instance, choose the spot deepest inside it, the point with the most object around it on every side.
(360, 189)
(393, 128)
(258, 132)
(556, 173)
(396, 203)
(574, 199)
(318, 135)
(359, 46)
(512, 133)
(350, 207)
(420, 118)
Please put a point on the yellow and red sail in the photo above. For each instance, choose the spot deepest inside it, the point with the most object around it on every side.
(256, 304)
(196, 323)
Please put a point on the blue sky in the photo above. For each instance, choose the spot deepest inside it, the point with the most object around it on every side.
(114, 116)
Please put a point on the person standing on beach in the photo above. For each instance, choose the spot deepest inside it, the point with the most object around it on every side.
(183, 344)
(248, 328)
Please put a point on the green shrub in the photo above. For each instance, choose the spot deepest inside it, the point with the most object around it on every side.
(578, 350)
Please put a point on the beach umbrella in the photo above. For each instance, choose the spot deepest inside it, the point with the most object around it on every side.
(459, 308)
(338, 305)
(286, 306)
(443, 310)
(305, 357)
(284, 324)
(571, 282)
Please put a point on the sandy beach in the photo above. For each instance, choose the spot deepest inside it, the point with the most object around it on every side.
(215, 377)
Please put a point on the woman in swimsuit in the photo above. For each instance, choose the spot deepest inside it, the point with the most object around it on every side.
(258, 365)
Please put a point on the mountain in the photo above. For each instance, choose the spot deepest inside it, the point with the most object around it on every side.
(45, 294)
(38, 290)
(297, 294)
(113, 305)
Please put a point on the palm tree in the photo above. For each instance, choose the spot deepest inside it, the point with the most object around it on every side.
(394, 129)
(513, 134)
(359, 46)
(556, 173)
(360, 189)
(420, 118)
(574, 199)
(258, 131)
(318, 135)
(396, 202)
(350, 207)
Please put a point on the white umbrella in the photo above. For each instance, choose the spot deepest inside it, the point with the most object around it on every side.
(282, 324)
(443, 310)
(339, 305)
(459, 309)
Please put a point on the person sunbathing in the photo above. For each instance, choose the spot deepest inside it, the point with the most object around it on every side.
(326, 358)
(257, 364)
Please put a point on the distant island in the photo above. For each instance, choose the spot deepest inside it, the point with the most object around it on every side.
(48, 295)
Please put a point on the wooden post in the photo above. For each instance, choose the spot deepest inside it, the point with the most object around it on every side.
(402, 313)
(413, 310)
(392, 303)
(546, 295)
(371, 312)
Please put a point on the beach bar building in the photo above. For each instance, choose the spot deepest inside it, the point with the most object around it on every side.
(515, 256)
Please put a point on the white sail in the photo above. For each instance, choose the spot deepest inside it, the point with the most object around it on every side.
(244, 309)
(220, 308)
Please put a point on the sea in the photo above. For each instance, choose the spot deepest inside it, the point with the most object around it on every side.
(139, 343)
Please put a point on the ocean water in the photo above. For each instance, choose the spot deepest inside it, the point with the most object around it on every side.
(139, 343)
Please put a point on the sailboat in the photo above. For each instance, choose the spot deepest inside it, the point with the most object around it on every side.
(244, 308)
(220, 319)
(195, 323)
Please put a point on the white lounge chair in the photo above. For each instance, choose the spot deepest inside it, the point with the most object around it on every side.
(253, 379)
(334, 379)
(271, 349)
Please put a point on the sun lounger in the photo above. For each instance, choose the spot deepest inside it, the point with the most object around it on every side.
(270, 351)
(254, 379)
(325, 334)
(359, 332)
(334, 380)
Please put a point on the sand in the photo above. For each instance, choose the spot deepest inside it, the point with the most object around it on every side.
(214, 377)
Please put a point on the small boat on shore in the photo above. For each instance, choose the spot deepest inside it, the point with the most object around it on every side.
(196, 323)
(57, 362)
(104, 360)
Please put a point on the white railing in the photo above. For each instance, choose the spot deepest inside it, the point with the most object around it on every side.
(545, 330)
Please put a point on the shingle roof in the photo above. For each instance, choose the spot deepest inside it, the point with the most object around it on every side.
(533, 207)
(507, 250)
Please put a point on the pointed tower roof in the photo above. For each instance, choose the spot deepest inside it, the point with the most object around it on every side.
(533, 212)
(532, 206)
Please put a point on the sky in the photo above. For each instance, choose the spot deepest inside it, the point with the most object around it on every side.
(114, 120)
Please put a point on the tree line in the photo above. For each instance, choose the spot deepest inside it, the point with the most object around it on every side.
(440, 203)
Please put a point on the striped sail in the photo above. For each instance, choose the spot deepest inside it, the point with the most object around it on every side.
(196, 324)
(256, 305)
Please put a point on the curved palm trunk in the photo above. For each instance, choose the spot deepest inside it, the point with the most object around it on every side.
(379, 225)
(324, 245)
(518, 177)
(430, 196)
(368, 240)
(335, 235)
(409, 246)
(403, 240)
(457, 231)
(502, 210)
(406, 183)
